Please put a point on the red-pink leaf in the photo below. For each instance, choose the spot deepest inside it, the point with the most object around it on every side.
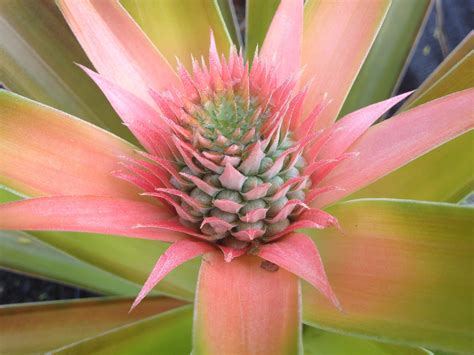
(178, 253)
(337, 37)
(117, 47)
(397, 141)
(219, 225)
(90, 214)
(298, 254)
(284, 39)
(353, 125)
(134, 112)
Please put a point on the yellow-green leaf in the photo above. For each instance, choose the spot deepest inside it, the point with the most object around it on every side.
(230, 18)
(463, 49)
(320, 342)
(41, 327)
(459, 77)
(24, 253)
(388, 56)
(168, 334)
(259, 15)
(181, 28)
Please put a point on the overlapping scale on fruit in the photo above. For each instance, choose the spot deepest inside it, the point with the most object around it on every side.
(231, 154)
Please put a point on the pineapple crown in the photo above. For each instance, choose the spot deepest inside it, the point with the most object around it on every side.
(233, 159)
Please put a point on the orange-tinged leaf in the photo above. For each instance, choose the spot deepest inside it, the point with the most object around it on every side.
(402, 270)
(165, 333)
(34, 328)
(336, 39)
(130, 259)
(135, 113)
(390, 54)
(47, 152)
(451, 164)
(355, 124)
(297, 253)
(242, 308)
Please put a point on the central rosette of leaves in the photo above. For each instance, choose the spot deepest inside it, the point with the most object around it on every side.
(242, 185)
(232, 155)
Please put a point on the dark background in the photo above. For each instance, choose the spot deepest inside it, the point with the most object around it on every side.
(448, 23)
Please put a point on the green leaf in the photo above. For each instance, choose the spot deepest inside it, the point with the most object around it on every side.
(132, 259)
(40, 327)
(37, 59)
(320, 342)
(259, 15)
(388, 56)
(168, 334)
(444, 174)
(181, 28)
(23, 252)
(402, 271)
(230, 18)
(459, 77)
(7, 196)
(461, 51)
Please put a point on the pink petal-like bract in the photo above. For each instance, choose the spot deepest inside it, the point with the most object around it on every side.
(178, 253)
(241, 308)
(298, 254)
